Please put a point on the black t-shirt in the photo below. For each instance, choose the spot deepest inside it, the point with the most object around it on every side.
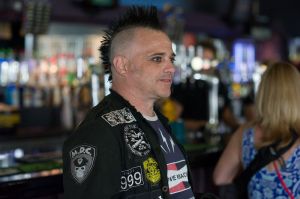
(177, 170)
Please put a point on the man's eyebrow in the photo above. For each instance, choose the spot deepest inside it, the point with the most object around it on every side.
(155, 54)
(161, 54)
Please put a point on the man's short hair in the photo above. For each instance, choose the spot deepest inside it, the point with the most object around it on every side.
(135, 17)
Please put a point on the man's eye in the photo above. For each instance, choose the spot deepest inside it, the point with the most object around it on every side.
(156, 59)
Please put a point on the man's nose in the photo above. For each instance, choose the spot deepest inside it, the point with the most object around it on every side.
(170, 68)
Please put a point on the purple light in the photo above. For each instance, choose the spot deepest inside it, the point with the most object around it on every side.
(244, 61)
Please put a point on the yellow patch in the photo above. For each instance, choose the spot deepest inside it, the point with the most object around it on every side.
(151, 170)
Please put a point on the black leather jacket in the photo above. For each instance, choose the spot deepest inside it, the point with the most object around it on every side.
(114, 153)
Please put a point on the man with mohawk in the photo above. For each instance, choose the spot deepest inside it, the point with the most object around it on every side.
(124, 148)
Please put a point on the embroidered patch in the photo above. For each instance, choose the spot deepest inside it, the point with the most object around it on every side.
(82, 161)
(178, 177)
(136, 140)
(122, 116)
(131, 178)
(152, 171)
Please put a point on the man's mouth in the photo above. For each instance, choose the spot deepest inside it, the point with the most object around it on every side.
(166, 80)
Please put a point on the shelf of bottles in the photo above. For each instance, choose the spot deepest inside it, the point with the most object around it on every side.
(64, 82)
(232, 75)
(193, 63)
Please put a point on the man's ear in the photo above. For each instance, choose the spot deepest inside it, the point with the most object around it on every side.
(120, 64)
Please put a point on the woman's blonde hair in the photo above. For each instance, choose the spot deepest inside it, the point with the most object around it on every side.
(278, 103)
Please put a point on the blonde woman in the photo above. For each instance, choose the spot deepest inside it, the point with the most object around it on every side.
(278, 115)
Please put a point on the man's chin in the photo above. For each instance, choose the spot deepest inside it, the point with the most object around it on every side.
(165, 94)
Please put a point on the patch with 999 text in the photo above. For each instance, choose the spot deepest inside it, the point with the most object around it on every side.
(131, 178)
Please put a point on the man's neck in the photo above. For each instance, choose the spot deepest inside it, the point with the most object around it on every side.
(141, 103)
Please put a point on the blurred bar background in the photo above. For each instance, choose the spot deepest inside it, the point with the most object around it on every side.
(51, 75)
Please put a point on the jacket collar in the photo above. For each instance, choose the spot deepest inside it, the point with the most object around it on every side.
(124, 102)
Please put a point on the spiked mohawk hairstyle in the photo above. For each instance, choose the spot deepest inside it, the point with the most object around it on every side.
(134, 17)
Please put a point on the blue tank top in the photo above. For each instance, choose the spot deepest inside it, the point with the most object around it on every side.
(265, 183)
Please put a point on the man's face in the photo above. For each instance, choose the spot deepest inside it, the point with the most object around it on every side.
(151, 66)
